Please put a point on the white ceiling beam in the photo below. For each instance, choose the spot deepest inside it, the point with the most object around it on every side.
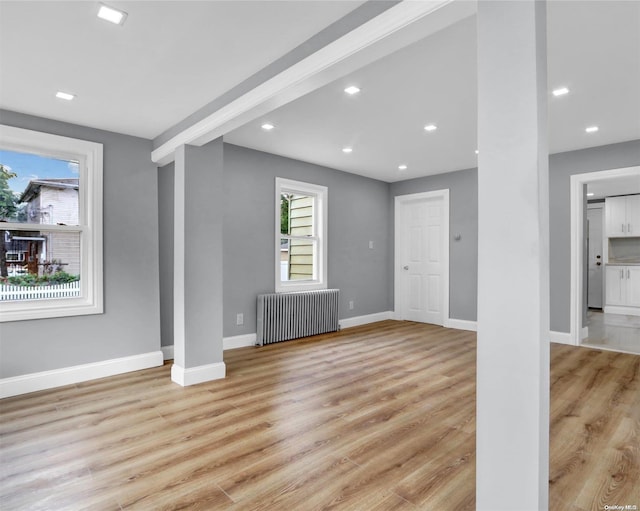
(397, 27)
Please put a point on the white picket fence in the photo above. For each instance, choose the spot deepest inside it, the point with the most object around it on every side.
(13, 293)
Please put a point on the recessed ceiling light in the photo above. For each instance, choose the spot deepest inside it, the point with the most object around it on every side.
(430, 127)
(560, 92)
(352, 90)
(591, 129)
(347, 149)
(591, 194)
(267, 126)
(402, 167)
(112, 15)
(64, 95)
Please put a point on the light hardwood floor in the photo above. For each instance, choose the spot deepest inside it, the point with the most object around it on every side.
(379, 417)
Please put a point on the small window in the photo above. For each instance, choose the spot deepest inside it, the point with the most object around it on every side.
(301, 227)
(51, 230)
(15, 257)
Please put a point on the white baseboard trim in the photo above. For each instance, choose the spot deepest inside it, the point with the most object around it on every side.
(167, 352)
(364, 320)
(34, 382)
(199, 374)
(239, 341)
(462, 324)
(628, 311)
(561, 337)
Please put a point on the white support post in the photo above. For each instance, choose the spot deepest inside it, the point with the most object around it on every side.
(513, 258)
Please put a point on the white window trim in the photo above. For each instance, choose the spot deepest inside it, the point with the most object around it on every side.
(320, 224)
(89, 155)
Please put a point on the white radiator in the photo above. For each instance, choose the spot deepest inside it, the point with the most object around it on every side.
(284, 316)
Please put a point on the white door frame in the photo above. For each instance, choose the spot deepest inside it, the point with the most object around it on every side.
(400, 200)
(576, 331)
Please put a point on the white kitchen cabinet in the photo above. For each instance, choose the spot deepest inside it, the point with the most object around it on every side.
(622, 293)
(623, 216)
(633, 286)
(633, 215)
(615, 293)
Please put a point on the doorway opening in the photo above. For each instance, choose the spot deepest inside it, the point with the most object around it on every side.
(591, 325)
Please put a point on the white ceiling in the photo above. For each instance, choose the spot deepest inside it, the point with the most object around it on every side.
(169, 59)
(172, 58)
(613, 186)
(593, 49)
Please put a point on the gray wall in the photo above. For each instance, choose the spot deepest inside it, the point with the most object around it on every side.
(464, 204)
(130, 324)
(358, 213)
(463, 254)
(165, 246)
(202, 169)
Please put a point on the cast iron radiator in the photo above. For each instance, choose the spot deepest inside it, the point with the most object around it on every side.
(284, 316)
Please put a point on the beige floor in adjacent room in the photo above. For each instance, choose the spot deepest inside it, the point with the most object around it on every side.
(613, 331)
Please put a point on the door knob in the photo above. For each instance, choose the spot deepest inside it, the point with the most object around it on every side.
(405, 267)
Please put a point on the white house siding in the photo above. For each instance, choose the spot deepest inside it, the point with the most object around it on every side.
(301, 252)
(53, 206)
(33, 211)
(59, 206)
(65, 247)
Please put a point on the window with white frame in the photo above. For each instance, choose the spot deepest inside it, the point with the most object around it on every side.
(50, 225)
(301, 236)
(15, 257)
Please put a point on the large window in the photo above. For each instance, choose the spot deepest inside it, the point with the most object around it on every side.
(50, 225)
(301, 236)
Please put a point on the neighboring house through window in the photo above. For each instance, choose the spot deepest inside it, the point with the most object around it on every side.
(53, 201)
(301, 236)
(51, 230)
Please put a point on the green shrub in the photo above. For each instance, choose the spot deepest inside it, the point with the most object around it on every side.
(59, 277)
(24, 280)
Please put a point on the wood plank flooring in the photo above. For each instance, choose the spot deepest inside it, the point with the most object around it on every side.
(379, 417)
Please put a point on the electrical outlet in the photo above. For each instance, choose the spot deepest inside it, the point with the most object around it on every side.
(240, 319)
(370, 244)
(351, 305)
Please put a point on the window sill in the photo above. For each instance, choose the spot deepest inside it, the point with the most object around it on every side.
(298, 287)
(43, 309)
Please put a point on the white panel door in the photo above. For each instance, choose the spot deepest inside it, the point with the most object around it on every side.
(422, 253)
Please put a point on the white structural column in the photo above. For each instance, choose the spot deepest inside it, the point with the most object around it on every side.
(513, 258)
(197, 289)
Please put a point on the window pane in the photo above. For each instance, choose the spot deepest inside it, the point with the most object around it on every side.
(40, 265)
(296, 214)
(297, 259)
(38, 190)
